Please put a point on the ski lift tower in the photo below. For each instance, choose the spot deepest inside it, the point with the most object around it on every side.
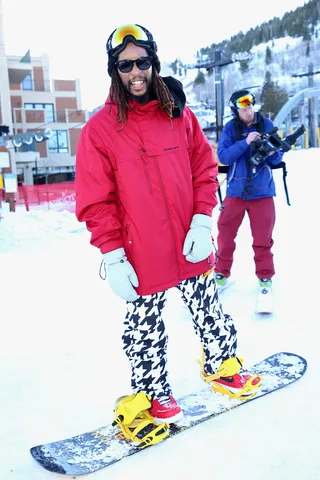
(220, 60)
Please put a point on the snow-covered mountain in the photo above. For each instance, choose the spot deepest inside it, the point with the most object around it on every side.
(288, 58)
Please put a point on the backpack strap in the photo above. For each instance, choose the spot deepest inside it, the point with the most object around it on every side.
(284, 175)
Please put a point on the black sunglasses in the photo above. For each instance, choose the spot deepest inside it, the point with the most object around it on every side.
(125, 66)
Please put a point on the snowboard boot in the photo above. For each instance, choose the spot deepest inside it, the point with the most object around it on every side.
(135, 421)
(265, 283)
(223, 282)
(166, 410)
(231, 379)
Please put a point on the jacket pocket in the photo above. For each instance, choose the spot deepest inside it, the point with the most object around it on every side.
(231, 175)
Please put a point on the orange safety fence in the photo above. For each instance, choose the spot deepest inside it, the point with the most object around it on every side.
(52, 196)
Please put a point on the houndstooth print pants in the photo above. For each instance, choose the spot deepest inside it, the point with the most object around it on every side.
(145, 339)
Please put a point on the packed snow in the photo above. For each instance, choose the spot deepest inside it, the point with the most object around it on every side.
(62, 365)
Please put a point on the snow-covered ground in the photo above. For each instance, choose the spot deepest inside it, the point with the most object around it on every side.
(62, 365)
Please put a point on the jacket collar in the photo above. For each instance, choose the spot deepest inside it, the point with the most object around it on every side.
(176, 90)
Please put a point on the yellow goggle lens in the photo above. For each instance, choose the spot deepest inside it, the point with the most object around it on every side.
(125, 30)
(244, 101)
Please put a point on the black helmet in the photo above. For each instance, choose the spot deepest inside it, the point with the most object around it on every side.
(135, 33)
(241, 99)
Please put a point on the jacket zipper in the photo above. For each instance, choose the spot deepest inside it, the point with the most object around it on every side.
(129, 238)
(232, 172)
(165, 199)
(145, 166)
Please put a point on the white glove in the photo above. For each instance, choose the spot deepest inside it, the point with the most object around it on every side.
(198, 243)
(121, 275)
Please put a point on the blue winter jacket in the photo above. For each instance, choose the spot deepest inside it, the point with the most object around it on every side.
(243, 181)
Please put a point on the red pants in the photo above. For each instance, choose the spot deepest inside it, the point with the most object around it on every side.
(262, 219)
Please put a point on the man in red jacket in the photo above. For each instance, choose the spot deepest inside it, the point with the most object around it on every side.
(146, 187)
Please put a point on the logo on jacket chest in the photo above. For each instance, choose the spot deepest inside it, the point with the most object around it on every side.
(171, 148)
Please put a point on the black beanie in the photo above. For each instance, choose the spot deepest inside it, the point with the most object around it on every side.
(238, 94)
(234, 97)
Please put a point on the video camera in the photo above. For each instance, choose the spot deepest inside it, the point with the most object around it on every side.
(271, 142)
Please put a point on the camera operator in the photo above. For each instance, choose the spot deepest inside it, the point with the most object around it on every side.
(250, 188)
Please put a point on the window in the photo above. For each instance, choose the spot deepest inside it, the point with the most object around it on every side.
(27, 82)
(45, 175)
(58, 143)
(29, 148)
(47, 107)
(49, 112)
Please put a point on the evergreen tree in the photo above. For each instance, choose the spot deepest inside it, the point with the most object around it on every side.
(273, 97)
(268, 56)
(306, 30)
(200, 78)
(174, 66)
(308, 50)
(244, 66)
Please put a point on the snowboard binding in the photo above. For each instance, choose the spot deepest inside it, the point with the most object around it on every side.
(135, 421)
(231, 379)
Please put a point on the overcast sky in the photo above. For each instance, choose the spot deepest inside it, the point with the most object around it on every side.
(74, 33)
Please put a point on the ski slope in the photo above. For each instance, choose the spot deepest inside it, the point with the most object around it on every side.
(62, 364)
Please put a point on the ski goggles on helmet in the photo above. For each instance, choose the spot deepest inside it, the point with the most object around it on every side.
(245, 101)
(122, 35)
(125, 66)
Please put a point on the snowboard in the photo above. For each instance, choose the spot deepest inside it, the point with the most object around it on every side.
(264, 301)
(99, 448)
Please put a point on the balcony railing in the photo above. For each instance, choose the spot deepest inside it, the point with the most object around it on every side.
(67, 115)
(40, 85)
(70, 116)
(32, 86)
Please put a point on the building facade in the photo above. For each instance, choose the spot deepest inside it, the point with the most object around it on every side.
(39, 103)
(31, 101)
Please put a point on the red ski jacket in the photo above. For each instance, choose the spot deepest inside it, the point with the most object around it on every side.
(138, 187)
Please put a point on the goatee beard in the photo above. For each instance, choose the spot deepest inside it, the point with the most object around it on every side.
(145, 98)
(141, 98)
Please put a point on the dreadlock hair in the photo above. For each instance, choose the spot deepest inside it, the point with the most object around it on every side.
(120, 97)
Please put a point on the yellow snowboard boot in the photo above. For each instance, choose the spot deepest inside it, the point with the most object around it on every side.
(135, 421)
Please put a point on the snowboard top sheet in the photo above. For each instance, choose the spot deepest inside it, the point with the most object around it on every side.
(97, 449)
